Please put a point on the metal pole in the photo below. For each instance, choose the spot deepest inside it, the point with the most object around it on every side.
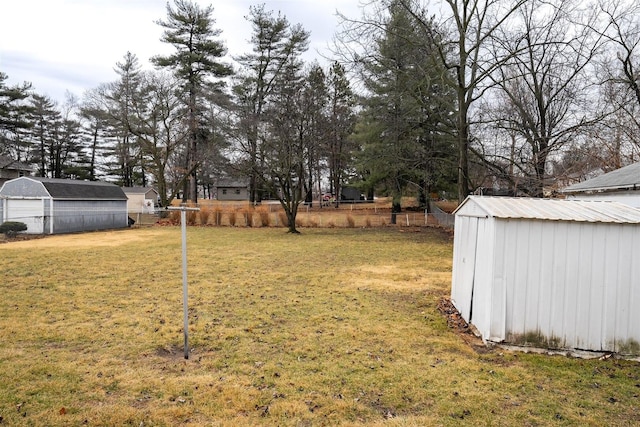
(185, 288)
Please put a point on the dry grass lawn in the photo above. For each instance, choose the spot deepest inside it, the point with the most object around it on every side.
(331, 327)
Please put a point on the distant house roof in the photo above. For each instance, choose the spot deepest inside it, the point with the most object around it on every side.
(230, 183)
(138, 190)
(10, 164)
(548, 209)
(76, 189)
(624, 178)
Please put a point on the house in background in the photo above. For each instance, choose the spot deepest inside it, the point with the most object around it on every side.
(10, 169)
(142, 200)
(53, 206)
(232, 190)
(621, 185)
(558, 274)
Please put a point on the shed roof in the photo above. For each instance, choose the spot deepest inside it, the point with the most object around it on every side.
(231, 183)
(549, 209)
(138, 190)
(83, 190)
(627, 177)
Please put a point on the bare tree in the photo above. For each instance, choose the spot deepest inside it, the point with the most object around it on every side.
(545, 88)
(619, 25)
(471, 26)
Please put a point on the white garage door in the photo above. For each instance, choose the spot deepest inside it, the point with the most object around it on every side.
(29, 212)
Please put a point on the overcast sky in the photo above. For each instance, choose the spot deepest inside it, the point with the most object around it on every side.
(73, 45)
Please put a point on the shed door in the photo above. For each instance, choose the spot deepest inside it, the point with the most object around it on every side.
(28, 211)
(464, 265)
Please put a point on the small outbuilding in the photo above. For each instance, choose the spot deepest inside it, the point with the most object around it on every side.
(143, 200)
(621, 185)
(53, 206)
(350, 194)
(227, 189)
(549, 273)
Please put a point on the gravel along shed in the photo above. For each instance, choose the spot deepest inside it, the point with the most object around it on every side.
(561, 274)
(52, 206)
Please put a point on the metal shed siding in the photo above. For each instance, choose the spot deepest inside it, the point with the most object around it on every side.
(568, 284)
(564, 285)
(78, 215)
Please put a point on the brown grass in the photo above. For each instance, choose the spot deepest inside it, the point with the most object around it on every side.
(330, 327)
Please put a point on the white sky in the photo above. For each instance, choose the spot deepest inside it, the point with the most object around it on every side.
(73, 45)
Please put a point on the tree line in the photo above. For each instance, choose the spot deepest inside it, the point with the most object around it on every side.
(421, 98)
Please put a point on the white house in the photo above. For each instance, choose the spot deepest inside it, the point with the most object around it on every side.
(621, 185)
(549, 273)
(51, 206)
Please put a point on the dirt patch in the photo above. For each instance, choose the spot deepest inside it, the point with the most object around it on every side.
(20, 238)
(455, 322)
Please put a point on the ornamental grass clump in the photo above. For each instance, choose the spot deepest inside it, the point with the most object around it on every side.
(205, 215)
(248, 216)
(232, 215)
(351, 222)
(284, 221)
(217, 216)
(265, 218)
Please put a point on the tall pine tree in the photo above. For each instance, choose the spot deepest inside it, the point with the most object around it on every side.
(189, 29)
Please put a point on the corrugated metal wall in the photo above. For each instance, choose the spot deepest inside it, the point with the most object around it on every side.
(70, 216)
(566, 285)
(556, 284)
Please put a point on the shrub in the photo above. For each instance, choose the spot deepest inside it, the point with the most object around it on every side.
(11, 228)
(367, 222)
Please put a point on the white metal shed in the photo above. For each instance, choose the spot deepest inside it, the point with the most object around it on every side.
(52, 206)
(549, 273)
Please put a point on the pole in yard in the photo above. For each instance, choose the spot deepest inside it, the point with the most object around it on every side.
(185, 289)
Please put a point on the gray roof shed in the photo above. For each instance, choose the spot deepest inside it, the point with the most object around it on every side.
(52, 206)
